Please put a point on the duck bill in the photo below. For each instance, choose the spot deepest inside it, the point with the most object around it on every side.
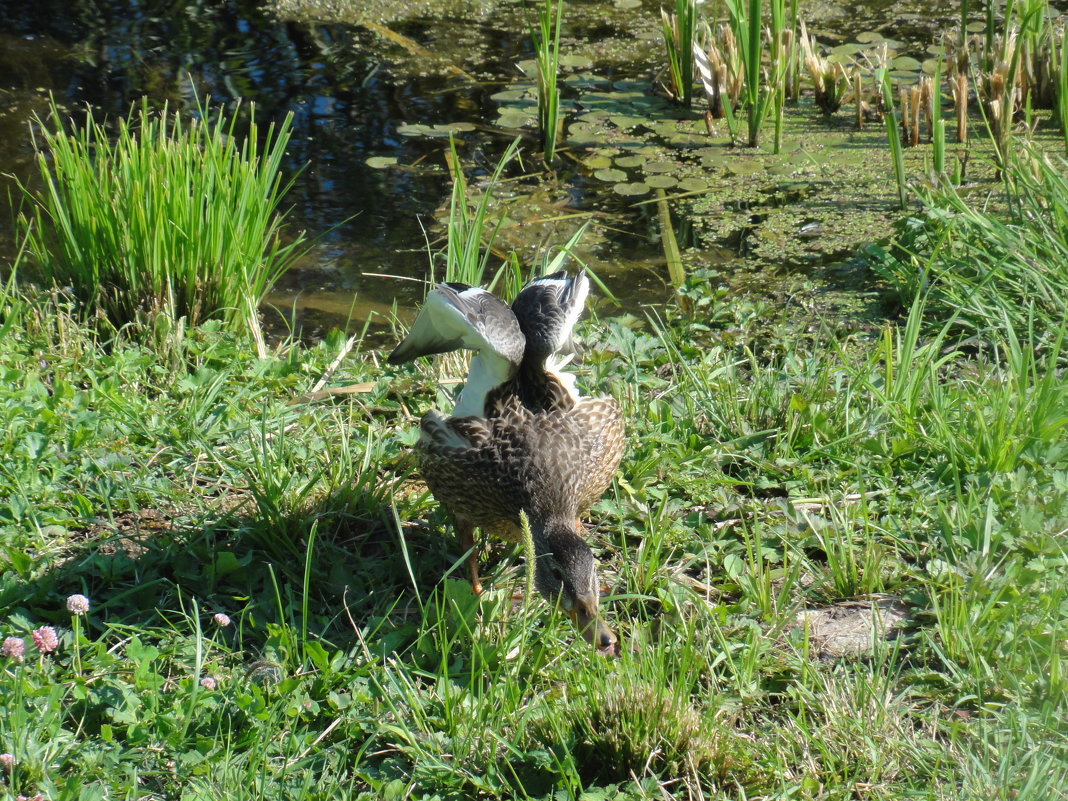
(593, 628)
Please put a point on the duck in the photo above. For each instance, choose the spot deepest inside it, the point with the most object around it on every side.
(533, 444)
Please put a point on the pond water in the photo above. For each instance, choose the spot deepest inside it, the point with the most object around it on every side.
(358, 75)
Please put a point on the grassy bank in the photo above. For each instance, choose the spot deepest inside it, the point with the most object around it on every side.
(769, 471)
(836, 561)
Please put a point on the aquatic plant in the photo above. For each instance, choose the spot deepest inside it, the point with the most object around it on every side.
(830, 79)
(175, 216)
(959, 89)
(936, 124)
(680, 31)
(546, 37)
(719, 69)
(470, 232)
(763, 94)
(893, 136)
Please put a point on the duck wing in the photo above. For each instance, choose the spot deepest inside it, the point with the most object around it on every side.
(456, 316)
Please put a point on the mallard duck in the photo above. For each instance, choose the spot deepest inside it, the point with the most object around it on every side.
(536, 446)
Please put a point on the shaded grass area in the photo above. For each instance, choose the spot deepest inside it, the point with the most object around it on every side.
(768, 470)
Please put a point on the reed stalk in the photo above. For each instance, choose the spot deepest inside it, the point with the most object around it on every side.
(470, 233)
(959, 88)
(915, 104)
(893, 136)
(1062, 89)
(546, 38)
(759, 91)
(672, 254)
(936, 122)
(858, 93)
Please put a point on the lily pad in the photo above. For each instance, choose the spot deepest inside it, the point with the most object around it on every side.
(661, 181)
(660, 166)
(575, 60)
(380, 162)
(514, 117)
(416, 129)
(846, 49)
(610, 176)
(453, 127)
(598, 162)
(693, 184)
(623, 122)
(511, 95)
(631, 189)
(905, 63)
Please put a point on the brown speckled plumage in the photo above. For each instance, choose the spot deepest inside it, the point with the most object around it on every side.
(552, 464)
(537, 447)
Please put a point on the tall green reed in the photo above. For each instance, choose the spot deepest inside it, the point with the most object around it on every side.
(470, 233)
(893, 135)
(546, 37)
(176, 216)
(680, 31)
(761, 93)
(1062, 86)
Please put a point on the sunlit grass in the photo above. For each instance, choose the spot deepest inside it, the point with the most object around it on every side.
(772, 468)
(174, 217)
(992, 269)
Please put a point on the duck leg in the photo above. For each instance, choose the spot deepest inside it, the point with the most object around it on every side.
(466, 533)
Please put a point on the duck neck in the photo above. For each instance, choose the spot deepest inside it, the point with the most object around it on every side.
(488, 371)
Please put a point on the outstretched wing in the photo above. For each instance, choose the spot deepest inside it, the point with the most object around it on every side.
(458, 316)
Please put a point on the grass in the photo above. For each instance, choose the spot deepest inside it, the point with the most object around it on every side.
(767, 472)
(775, 465)
(991, 270)
(174, 217)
